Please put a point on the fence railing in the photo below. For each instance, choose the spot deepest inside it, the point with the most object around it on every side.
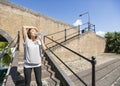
(66, 37)
(84, 27)
(62, 35)
(14, 48)
(92, 61)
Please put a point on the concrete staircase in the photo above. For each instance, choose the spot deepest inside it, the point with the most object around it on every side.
(107, 74)
(48, 76)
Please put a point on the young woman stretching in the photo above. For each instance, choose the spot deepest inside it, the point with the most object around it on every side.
(33, 44)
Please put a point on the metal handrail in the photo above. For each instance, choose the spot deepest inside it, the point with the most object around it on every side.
(62, 30)
(65, 36)
(91, 28)
(15, 48)
(67, 67)
(93, 62)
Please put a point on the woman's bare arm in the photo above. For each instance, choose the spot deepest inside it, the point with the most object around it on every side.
(42, 43)
(25, 29)
(24, 32)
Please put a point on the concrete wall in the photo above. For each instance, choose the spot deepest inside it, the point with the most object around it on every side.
(13, 17)
(87, 44)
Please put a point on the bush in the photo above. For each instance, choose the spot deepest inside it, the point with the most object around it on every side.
(3, 45)
(113, 42)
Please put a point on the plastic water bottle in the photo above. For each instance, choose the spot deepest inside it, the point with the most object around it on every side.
(39, 34)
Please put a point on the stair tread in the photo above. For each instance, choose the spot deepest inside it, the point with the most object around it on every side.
(48, 76)
(45, 82)
(109, 79)
(100, 73)
(117, 82)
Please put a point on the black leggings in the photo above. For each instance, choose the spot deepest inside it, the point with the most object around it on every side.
(27, 73)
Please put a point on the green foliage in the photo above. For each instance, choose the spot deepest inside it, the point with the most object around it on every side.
(9, 51)
(3, 45)
(113, 42)
(6, 60)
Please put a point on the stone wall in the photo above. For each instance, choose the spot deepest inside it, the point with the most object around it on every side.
(88, 44)
(13, 17)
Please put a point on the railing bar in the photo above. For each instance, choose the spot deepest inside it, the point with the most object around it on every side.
(72, 34)
(68, 68)
(54, 33)
(71, 50)
(66, 40)
(72, 27)
(61, 31)
(48, 43)
(10, 65)
(4, 50)
(56, 40)
(61, 38)
(12, 56)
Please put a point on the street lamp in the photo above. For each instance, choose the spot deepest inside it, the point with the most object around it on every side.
(88, 19)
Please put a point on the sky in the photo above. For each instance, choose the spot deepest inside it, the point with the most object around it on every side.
(104, 14)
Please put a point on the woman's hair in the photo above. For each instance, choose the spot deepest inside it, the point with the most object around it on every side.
(28, 33)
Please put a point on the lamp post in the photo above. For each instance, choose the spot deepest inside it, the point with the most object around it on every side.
(88, 19)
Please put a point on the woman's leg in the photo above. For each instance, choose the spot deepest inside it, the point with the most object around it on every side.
(37, 71)
(27, 74)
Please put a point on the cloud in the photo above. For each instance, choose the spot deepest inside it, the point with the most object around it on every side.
(77, 22)
(101, 33)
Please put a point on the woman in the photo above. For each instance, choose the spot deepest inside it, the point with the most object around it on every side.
(33, 45)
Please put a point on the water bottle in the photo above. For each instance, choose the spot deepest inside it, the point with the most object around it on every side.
(39, 34)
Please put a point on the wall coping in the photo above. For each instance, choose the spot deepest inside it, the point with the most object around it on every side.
(24, 9)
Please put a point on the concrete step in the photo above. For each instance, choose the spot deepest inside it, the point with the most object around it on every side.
(117, 82)
(45, 82)
(103, 72)
(109, 78)
(48, 76)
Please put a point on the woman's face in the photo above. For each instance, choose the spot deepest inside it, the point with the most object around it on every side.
(32, 32)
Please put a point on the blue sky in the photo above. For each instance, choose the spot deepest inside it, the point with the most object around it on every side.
(104, 14)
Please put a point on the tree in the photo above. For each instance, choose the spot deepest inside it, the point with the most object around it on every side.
(113, 42)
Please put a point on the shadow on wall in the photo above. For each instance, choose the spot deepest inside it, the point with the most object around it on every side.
(5, 36)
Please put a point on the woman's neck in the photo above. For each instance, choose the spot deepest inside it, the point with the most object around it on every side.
(32, 38)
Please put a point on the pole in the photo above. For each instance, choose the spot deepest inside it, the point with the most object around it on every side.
(78, 29)
(65, 34)
(93, 70)
(89, 25)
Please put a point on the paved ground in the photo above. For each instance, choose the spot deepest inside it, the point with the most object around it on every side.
(78, 65)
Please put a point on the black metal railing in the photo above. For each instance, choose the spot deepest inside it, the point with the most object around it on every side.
(63, 35)
(84, 27)
(67, 37)
(92, 61)
(14, 47)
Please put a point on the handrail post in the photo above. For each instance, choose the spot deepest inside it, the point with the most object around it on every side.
(78, 29)
(94, 28)
(44, 39)
(93, 62)
(65, 34)
(18, 40)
